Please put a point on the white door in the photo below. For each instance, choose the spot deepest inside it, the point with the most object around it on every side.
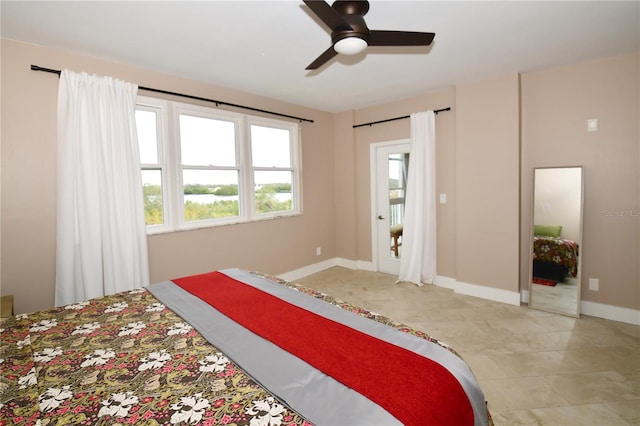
(389, 174)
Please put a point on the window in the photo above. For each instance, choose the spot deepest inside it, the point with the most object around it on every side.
(273, 170)
(208, 167)
(154, 173)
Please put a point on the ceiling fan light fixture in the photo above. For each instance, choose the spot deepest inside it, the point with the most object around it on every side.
(350, 45)
(350, 34)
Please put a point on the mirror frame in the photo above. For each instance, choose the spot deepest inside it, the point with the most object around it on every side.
(531, 303)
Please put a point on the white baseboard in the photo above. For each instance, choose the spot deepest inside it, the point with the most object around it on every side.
(326, 264)
(309, 270)
(445, 282)
(490, 293)
(356, 264)
(367, 266)
(599, 310)
(615, 313)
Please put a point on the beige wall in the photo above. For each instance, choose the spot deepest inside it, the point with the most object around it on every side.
(29, 184)
(478, 167)
(487, 182)
(556, 104)
(344, 180)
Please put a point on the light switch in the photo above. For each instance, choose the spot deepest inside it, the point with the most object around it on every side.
(443, 198)
(592, 125)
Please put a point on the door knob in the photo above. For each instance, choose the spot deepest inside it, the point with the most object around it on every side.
(380, 217)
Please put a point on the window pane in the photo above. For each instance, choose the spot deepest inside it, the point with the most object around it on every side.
(146, 123)
(210, 194)
(270, 147)
(396, 171)
(152, 192)
(273, 191)
(207, 142)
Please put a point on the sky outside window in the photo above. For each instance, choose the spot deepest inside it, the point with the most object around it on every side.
(207, 142)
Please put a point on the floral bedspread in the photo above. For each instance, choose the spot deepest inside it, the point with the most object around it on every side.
(557, 250)
(128, 359)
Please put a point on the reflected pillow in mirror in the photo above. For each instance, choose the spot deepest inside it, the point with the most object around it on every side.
(547, 230)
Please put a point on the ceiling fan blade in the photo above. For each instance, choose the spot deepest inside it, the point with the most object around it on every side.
(400, 38)
(322, 59)
(328, 15)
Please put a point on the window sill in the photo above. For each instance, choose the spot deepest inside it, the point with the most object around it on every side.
(231, 223)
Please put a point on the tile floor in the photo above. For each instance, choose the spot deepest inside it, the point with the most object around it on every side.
(535, 368)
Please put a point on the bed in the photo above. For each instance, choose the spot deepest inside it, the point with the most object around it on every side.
(228, 347)
(554, 258)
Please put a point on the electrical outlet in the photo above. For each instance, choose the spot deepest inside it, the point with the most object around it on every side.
(318, 251)
(594, 284)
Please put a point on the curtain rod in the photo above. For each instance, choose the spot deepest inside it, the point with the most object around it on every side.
(396, 118)
(182, 95)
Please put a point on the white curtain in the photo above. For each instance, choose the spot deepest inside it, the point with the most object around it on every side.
(101, 238)
(418, 259)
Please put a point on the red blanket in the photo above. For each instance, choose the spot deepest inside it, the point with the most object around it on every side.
(414, 389)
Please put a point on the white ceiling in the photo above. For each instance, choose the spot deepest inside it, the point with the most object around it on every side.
(263, 47)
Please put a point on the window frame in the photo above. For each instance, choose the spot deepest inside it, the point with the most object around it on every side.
(294, 168)
(162, 131)
(207, 113)
(172, 168)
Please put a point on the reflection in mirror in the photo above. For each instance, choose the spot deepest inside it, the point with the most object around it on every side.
(556, 240)
(398, 166)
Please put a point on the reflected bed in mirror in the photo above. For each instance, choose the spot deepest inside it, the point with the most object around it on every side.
(556, 240)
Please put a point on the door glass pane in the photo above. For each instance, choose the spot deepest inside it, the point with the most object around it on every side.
(397, 188)
(152, 193)
(273, 191)
(207, 142)
(210, 194)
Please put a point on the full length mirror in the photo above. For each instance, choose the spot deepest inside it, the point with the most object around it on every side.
(556, 240)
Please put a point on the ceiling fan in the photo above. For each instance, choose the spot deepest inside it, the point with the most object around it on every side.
(349, 32)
